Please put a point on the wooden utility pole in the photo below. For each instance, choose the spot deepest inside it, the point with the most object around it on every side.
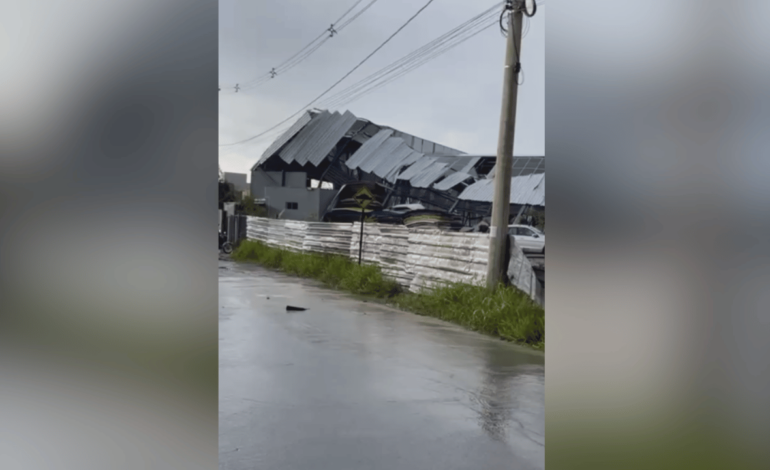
(502, 197)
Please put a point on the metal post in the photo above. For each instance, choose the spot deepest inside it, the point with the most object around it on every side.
(502, 194)
(361, 238)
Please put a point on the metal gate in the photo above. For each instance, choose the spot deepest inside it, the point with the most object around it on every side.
(236, 228)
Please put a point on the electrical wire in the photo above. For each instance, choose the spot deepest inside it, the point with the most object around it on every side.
(534, 10)
(415, 59)
(503, 29)
(304, 53)
(338, 81)
(349, 10)
(403, 72)
(343, 25)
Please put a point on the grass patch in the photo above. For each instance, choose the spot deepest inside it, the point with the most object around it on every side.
(506, 313)
(334, 271)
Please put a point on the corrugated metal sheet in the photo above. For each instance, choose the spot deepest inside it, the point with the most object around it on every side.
(480, 191)
(285, 137)
(425, 178)
(469, 165)
(397, 169)
(449, 160)
(368, 131)
(412, 158)
(387, 164)
(383, 155)
(330, 136)
(451, 181)
(529, 189)
(523, 166)
(416, 168)
(368, 148)
(442, 148)
(289, 152)
(318, 138)
(457, 163)
(425, 146)
(383, 152)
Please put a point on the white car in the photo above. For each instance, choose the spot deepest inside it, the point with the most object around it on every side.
(528, 238)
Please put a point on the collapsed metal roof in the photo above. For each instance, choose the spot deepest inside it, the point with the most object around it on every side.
(284, 138)
(524, 166)
(451, 181)
(416, 168)
(397, 157)
(399, 167)
(368, 148)
(525, 190)
(318, 138)
(388, 168)
(429, 176)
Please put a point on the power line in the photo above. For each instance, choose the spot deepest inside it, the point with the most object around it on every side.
(342, 26)
(367, 88)
(405, 71)
(340, 80)
(416, 54)
(416, 58)
(307, 51)
(349, 10)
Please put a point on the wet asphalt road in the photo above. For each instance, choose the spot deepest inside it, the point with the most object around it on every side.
(353, 385)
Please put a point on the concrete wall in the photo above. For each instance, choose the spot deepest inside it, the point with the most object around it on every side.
(308, 202)
(266, 179)
(262, 179)
(296, 180)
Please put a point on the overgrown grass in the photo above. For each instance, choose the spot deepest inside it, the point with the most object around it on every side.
(506, 313)
(335, 271)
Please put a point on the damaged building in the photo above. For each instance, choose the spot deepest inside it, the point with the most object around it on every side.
(300, 173)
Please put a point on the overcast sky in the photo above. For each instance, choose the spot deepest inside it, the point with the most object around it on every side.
(453, 100)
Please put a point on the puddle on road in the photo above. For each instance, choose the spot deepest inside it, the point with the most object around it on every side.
(403, 370)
